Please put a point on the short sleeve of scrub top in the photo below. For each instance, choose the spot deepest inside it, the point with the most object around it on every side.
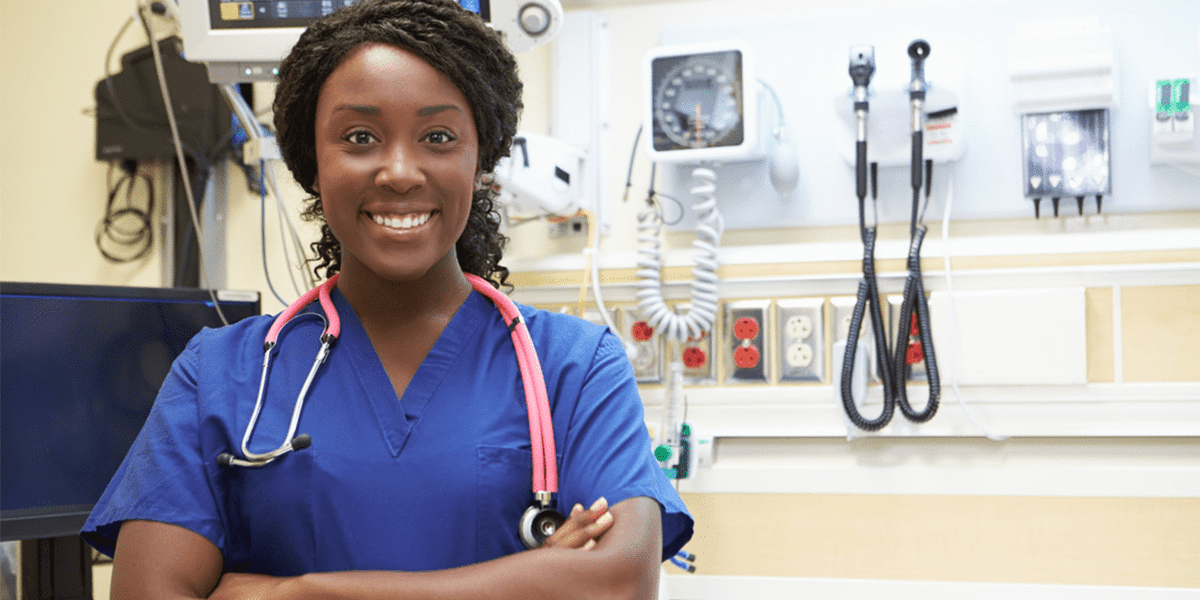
(435, 479)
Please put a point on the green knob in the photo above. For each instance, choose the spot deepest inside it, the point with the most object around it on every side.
(662, 452)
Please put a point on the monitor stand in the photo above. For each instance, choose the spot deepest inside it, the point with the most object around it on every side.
(56, 569)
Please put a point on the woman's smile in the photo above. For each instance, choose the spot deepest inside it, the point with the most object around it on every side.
(400, 222)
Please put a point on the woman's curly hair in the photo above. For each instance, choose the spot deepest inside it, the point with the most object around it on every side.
(454, 41)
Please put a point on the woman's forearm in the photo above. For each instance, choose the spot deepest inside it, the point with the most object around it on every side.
(623, 564)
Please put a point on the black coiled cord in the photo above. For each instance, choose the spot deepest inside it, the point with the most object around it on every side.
(868, 299)
(915, 303)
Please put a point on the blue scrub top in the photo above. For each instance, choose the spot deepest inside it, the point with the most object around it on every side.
(436, 479)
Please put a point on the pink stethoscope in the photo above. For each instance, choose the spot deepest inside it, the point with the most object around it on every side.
(540, 520)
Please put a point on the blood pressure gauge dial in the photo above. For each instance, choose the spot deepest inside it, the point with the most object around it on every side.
(699, 108)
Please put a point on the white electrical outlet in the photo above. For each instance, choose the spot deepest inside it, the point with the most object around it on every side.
(745, 342)
(801, 341)
(644, 345)
(843, 310)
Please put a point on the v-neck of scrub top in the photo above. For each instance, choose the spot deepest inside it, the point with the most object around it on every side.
(397, 417)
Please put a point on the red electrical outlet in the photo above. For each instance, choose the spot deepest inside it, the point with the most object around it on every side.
(915, 353)
(746, 357)
(694, 358)
(745, 329)
(641, 331)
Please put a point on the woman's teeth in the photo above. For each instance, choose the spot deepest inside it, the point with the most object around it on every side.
(405, 222)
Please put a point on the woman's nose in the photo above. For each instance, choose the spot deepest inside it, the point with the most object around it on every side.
(401, 170)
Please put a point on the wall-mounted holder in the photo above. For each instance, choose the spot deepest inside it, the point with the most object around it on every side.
(889, 128)
(1064, 83)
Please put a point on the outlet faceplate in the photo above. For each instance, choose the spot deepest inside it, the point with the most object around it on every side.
(744, 339)
(843, 310)
(800, 327)
(647, 344)
(699, 356)
(916, 371)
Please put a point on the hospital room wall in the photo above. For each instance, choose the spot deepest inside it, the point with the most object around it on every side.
(1075, 539)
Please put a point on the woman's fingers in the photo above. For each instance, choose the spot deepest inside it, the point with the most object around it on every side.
(582, 527)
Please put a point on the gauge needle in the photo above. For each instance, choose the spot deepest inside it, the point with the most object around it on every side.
(699, 139)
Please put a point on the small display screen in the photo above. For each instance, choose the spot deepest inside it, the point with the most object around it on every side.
(263, 14)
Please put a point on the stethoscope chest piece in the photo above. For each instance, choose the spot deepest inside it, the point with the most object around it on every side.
(538, 524)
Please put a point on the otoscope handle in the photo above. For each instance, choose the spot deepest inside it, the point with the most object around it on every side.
(861, 169)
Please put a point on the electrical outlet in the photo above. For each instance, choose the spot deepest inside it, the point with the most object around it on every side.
(801, 339)
(745, 337)
(644, 344)
(567, 227)
(915, 364)
(698, 356)
(843, 310)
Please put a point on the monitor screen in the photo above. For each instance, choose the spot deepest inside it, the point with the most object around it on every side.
(245, 41)
(290, 13)
(80, 367)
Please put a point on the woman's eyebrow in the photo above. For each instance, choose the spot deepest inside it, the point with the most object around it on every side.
(364, 109)
(433, 110)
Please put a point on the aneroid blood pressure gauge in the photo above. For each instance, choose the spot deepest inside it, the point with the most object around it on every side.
(701, 104)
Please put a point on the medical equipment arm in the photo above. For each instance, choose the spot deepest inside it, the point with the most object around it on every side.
(624, 564)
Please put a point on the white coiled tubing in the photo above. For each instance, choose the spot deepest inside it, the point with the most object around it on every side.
(700, 317)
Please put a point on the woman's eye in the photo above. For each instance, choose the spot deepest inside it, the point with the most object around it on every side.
(439, 137)
(359, 137)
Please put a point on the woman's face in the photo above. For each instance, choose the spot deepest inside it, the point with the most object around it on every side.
(397, 155)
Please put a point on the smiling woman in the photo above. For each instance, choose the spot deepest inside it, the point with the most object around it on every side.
(398, 165)
(417, 480)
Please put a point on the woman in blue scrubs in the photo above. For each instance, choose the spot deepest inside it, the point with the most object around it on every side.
(389, 113)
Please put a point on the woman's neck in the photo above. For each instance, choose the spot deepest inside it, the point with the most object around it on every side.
(436, 294)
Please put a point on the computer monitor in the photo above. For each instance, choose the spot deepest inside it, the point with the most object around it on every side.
(245, 41)
(80, 367)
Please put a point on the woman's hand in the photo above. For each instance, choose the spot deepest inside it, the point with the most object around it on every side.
(583, 527)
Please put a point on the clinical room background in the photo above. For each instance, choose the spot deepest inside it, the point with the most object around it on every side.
(1067, 462)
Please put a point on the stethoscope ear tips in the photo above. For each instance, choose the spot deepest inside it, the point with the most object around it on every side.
(538, 524)
(224, 459)
(301, 442)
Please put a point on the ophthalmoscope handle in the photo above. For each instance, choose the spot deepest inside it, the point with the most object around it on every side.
(918, 51)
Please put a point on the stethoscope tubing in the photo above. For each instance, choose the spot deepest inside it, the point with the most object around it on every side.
(537, 402)
(541, 425)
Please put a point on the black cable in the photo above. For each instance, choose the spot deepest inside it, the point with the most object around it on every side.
(862, 67)
(868, 299)
(632, 156)
(111, 226)
(915, 305)
(914, 302)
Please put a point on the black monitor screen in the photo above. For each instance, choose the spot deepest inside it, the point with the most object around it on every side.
(292, 13)
(80, 367)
